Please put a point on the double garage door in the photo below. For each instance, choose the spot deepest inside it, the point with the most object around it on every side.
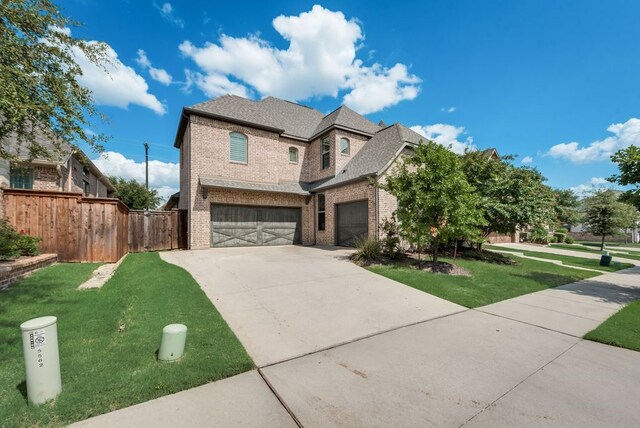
(239, 225)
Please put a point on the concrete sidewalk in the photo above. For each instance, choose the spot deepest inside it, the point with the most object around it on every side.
(561, 251)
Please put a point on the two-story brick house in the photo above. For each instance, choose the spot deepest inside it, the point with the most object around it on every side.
(66, 170)
(273, 172)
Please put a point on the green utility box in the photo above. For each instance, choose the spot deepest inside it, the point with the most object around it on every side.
(174, 337)
(605, 260)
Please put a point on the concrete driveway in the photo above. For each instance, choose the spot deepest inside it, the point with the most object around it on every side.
(289, 301)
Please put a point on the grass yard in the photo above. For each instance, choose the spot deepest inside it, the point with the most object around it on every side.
(574, 261)
(488, 283)
(622, 329)
(634, 255)
(108, 339)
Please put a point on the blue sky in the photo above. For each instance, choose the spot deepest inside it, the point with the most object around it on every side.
(553, 82)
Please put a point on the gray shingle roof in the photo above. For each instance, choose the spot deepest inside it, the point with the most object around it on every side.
(377, 153)
(290, 118)
(58, 151)
(292, 188)
(345, 117)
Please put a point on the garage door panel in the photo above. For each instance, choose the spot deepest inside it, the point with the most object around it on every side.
(352, 223)
(235, 225)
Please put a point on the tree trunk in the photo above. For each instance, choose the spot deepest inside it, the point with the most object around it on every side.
(434, 254)
(455, 249)
(602, 245)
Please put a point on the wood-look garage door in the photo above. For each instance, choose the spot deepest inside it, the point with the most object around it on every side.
(238, 225)
(352, 223)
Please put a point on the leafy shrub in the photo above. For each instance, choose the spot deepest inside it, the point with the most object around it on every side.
(562, 230)
(14, 244)
(368, 251)
(559, 237)
(569, 240)
(391, 241)
(539, 235)
(552, 239)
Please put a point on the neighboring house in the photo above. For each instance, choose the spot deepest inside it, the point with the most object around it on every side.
(274, 172)
(68, 170)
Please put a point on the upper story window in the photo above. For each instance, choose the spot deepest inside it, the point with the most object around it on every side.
(293, 155)
(21, 178)
(321, 211)
(237, 147)
(86, 187)
(326, 152)
(345, 146)
(85, 170)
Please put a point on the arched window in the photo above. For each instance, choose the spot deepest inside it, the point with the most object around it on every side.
(345, 146)
(237, 147)
(293, 155)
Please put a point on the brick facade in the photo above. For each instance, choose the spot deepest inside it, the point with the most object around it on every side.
(46, 178)
(204, 152)
(15, 270)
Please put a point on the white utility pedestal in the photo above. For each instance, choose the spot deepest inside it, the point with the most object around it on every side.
(41, 359)
(174, 337)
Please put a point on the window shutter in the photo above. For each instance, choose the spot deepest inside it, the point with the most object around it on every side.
(238, 148)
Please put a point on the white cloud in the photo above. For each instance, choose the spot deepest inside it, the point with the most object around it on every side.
(446, 135)
(163, 176)
(167, 12)
(157, 74)
(526, 160)
(213, 85)
(116, 84)
(449, 109)
(319, 61)
(624, 135)
(591, 186)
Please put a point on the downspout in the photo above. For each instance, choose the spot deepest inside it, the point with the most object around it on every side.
(376, 197)
(315, 219)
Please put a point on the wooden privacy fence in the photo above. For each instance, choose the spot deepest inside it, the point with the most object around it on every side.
(157, 230)
(83, 229)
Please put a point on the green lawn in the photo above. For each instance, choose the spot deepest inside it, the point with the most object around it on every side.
(488, 283)
(103, 368)
(634, 255)
(573, 261)
(622, 329)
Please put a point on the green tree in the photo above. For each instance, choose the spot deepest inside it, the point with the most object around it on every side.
(511, 197)
(39, 93)
(435, 202)
(628, 161)
(566, 207)
(603, 213)
(628, 219)
(135, 195)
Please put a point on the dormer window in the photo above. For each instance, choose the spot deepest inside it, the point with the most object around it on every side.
(293, 155)
(345, 146)
(237, 147)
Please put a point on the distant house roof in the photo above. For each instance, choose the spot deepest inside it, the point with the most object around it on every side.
(375, 156)
(172, 202)
(58, 151)
(276, 115)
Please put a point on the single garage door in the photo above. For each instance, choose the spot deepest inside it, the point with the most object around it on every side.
(352, 223)
(239, 225)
